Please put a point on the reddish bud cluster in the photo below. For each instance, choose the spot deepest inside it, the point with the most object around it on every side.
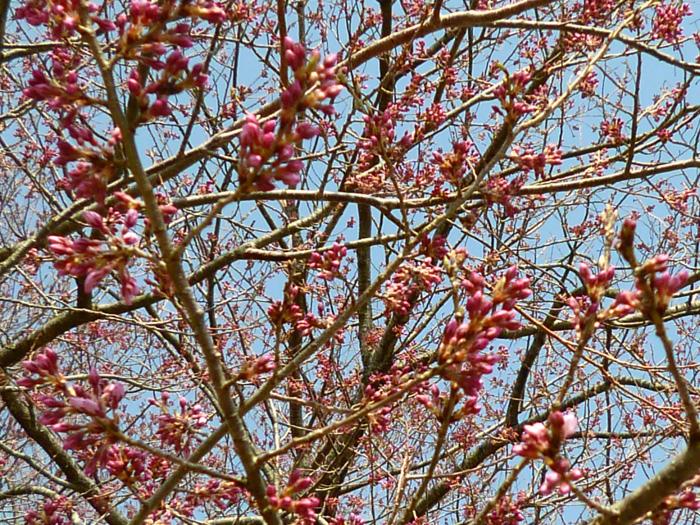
(58, 92)
(456, 164)
(596, 285)
(668, 18)
(221, 493)
(315, 80)
(655, 285)
(528, 159)
(378, 143)
(267, 149)
(510, 93)
(612, 130)
(258, 366)
(588, 85)
(435, 248)
(408, 281)
(95, 258)
(286, 311)
(175, 77)
(303, 507)
(68, 404)
(180, 430)
(127, 464)
(95, 165)
(539, 442)
(506, 512)
(53, 512)
(461, 346)
(62, 17)
(596, 10)
(685, 500)
(329, 261)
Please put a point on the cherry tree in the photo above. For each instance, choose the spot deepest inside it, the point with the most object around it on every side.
(340, 262)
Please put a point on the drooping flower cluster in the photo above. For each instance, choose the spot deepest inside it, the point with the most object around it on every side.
(541, 442)
(182, 429)
(668, 18)
(460, 352)
(88, 415)
(528, 159)
(267, 148)
(285, 500)
(93, 258)
(329, 261)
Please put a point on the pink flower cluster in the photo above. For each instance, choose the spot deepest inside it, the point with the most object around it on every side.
(329, 261)
(58, 91)
(588, 85)
(144, 33)
(528, 159)
(378, 142)
(455, 165)
(315, 81)
(668, 18)
(255, 367)
(506, 512)
(53, 512)
(510, 94)
(597, 10)
(652, 276)
(286, 311)
(127, 464)
(408, 281)
(303, 507)
(612, 130)
(267, 149)
(540, 442)
(459, 353)
(685, 500)
(596, 285)
(175, 77)
(95, 165)
(221, 493)
(180, 430)
(69, 405)
(95, 258)
(435, 248)
(61, 16)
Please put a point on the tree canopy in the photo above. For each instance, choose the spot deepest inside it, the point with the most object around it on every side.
(339, 262)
